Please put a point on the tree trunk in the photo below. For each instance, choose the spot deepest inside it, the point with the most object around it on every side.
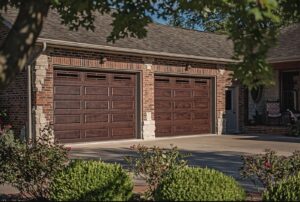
(19, 43)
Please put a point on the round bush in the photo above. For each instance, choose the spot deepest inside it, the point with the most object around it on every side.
(286, 190)
(91, 181)
(198, 184)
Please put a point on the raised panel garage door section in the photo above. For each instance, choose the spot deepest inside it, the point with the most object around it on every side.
(182, 105)
(90, 106)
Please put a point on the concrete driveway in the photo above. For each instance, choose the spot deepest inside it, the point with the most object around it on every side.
(220, 152)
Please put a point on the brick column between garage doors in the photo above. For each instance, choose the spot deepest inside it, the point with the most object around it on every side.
(148, 125)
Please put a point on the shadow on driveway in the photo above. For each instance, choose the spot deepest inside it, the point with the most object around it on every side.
(271, 138)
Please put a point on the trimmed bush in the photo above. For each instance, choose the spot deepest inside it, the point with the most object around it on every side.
(198, 184)
(91, 181)
(286, 190)
(151, 163)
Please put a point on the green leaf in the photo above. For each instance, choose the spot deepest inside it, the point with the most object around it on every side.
(257, 14)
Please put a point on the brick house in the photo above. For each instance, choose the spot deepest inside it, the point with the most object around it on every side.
(170, 83)
(173, 82)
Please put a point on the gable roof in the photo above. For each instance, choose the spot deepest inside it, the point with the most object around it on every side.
(159, 39)
(288, 45)
(162, 40)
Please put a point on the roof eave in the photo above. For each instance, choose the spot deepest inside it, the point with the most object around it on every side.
(112, 49)
(284, 59)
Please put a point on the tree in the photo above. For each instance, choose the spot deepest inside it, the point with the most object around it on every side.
(209, 21)
(252, 25)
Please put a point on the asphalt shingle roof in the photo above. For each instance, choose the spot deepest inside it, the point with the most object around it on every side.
(166, 39)
(160, 38)
(288, 46)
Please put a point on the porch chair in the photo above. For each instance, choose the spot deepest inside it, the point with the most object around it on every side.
(273, 112)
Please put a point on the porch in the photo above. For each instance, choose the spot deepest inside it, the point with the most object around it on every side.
(266, 129)
(270, 110)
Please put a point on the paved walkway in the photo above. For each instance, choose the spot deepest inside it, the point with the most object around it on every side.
(219, 152)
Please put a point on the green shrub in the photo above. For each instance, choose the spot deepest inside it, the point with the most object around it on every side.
(11, 150)
(151, 163)
(91, 181)
(286, 190)
(198, 184)
(294, 129)
(270, 168)
(31, 167)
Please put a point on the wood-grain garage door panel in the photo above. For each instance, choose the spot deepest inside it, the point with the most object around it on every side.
(94, 106)
(67, 135)
(96, 118)
(95, 90)
(96, 133)
(67, 90)
(182, 106)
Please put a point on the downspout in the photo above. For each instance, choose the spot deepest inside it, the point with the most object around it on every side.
(29, 91)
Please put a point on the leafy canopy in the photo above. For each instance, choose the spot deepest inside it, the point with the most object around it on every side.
(252, 25)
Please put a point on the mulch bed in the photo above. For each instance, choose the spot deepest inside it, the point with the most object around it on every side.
(10, 197)
(137, 190)
(253, 196)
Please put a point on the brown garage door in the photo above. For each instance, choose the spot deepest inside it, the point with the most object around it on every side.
(94, 106)
(182, 106)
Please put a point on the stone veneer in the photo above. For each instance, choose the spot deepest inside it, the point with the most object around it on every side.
(43, 92)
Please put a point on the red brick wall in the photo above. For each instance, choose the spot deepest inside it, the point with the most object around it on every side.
(148, 93)
(79, 58)
(14, 99)
(270, 130)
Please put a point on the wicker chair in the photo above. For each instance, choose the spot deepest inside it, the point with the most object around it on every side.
(273, 112)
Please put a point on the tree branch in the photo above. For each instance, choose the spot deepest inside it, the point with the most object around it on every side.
(18, 46)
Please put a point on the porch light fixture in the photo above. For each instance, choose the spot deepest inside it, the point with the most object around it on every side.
(103, 59)
(188, 67)
(221, 71)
